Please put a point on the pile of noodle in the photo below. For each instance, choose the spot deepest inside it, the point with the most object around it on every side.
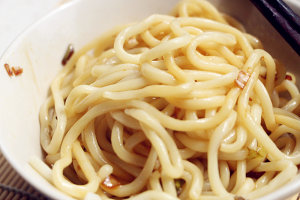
(187, 106)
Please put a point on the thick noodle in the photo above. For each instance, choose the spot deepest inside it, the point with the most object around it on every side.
(187, 106)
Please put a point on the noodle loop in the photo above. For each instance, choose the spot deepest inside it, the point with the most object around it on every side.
(173, 107)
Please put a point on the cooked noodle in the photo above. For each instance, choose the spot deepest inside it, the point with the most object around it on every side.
(187, 106)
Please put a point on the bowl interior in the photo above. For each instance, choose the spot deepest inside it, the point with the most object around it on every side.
(39, 51)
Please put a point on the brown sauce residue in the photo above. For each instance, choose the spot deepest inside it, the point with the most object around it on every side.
(110, 182)
(288, 77)
(13, 71)
(8, 69)
(68, 54)
(17, 71)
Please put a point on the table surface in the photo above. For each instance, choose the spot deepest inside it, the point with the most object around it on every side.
(15, 16)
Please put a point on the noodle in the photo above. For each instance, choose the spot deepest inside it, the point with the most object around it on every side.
(174, 107)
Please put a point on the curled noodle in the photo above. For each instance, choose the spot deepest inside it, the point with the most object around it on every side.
(173, 107)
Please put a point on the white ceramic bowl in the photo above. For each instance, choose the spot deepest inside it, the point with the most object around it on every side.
(39, 51)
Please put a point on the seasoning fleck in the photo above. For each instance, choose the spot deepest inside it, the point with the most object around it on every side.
(68, 54)
(17, 71)
(288, 77)
(8, 69)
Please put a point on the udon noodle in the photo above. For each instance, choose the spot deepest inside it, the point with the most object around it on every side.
(181, 106)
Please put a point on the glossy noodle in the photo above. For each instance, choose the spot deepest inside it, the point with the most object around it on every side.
(181, 106)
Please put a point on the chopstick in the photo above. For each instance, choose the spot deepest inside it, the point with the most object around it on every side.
(283, 18)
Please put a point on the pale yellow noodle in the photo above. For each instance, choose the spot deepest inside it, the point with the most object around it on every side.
(187, 106)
